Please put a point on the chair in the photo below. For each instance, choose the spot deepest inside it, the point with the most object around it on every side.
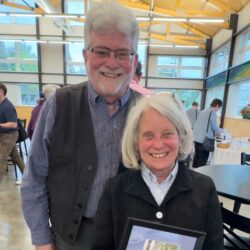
(22, 136)
(10, 162)
(233, 240)
(245, 158)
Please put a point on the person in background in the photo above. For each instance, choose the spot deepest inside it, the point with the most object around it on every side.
(157, 186)
(206, 119)
(193, 113)
(75, 146)
(8, 133)
(134, 84)
(47, 91)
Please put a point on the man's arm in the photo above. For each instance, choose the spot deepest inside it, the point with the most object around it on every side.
(8, 125)
(46, 247)
(34, 192)
(215, 128)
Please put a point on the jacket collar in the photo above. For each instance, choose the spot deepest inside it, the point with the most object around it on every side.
(137, 187)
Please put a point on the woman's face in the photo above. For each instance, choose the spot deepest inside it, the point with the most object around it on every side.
(158, 143)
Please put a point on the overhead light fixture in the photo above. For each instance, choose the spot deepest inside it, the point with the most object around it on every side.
(187, 46)
(162, 45)
(24, 14)
(142, 18)
(203, 20)
(60, 16)
(170, 19)
(59, 42)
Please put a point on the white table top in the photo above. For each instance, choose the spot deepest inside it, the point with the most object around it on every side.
(231, 155)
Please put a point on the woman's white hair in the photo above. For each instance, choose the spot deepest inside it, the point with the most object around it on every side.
(109, 16)
(49, 89)
(170, 107)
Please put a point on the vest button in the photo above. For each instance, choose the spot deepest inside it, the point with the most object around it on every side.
(159, 215)
(71, 236)
(90, 168)
(76, 222)
(79, 205)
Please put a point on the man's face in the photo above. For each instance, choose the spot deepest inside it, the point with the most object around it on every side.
(110, 76)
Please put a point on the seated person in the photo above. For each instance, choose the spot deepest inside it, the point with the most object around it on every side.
(157, 187)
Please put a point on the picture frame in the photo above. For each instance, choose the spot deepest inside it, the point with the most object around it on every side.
(147, 235)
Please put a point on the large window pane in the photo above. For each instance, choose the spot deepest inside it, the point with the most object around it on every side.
(219, 60)
(28, 50)
(74, 59)
(194, 73)
(242, 48)
(18, 20)
(141, 51)
(212, 93)
(192, 61)
(180, 67)
(7, 67)
(29, 94)
(238, 97)
(7, 50)
(18, 57)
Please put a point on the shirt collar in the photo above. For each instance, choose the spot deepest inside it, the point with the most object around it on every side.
(150, 176)
(95, 98)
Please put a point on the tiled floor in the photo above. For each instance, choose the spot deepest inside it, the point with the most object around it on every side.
(14, 234)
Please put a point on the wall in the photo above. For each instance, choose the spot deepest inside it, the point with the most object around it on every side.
(237, 127)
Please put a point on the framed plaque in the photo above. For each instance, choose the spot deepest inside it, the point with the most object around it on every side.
(147, 235)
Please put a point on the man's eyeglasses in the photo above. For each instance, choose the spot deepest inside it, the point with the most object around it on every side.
(121, 54)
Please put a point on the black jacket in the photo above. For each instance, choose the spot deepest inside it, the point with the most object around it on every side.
(191, 202)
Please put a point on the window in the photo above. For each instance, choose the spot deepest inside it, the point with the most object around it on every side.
(18, 20)
(28, 94)
(18, 57)
(242, 48)
(238, 97)
(75, 7)
(74, 59)
(212, 93)
(185, 95)
(180, 67)
(141, 51)
(219, 60)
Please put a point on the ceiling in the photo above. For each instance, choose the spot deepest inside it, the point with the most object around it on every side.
(162, 32)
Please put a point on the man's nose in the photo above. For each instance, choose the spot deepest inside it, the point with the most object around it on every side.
(111, 60)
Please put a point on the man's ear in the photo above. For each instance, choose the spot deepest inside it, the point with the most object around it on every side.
(84, 54)
(136, 61)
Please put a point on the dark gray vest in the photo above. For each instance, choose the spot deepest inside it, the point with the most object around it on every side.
(72, 160)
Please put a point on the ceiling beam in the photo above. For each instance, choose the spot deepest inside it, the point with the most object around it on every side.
(193, 30)
(175, 40)
(221, 5)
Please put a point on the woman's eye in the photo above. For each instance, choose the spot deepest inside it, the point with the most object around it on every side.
(148, 136)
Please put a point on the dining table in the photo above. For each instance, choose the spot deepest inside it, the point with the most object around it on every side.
(231, 180)
(232, 154)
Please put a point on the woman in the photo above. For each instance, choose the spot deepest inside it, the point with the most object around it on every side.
(157, 186)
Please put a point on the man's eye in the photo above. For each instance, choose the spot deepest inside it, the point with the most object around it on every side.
(101, 52)
(122, 53)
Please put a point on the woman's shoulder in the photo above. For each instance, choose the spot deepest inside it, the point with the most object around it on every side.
(124, 178)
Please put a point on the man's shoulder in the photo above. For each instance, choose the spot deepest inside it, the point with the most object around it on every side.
(72, 88)
(7, 104)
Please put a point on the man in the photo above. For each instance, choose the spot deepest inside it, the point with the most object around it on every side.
(8, 133)
(193, 113)
(76, 144)
(206, 119)
(135, 82)
(47, 91)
